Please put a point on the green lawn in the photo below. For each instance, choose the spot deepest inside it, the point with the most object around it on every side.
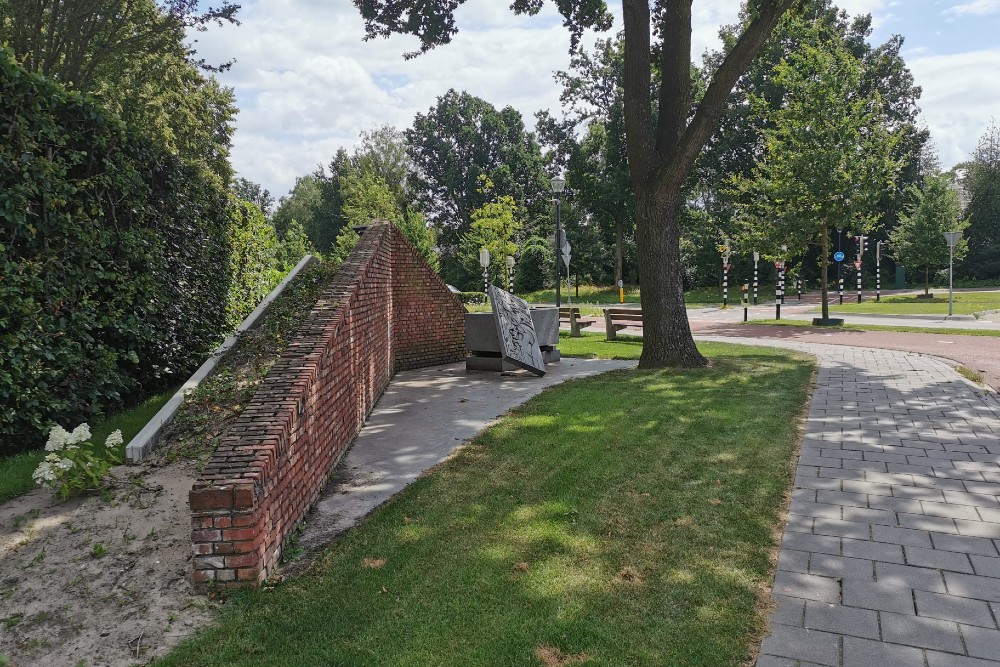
(944, 331)
(966, 303)
(623, 519)
(590, 295)
(15, 471)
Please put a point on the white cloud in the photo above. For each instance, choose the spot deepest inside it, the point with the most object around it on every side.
(958, 100)
(974, 8)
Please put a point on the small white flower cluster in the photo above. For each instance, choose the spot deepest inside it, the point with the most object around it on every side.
(51, 470)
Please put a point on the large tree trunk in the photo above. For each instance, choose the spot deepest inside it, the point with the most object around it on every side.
(666, 333)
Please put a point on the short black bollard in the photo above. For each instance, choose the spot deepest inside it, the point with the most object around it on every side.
(746, 301)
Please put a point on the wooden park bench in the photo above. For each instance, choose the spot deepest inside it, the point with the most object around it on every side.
(572, 316)
(621, 318)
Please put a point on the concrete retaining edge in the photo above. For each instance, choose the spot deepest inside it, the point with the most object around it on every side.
(142, 444)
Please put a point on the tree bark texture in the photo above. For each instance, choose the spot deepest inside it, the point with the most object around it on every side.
(667, 339)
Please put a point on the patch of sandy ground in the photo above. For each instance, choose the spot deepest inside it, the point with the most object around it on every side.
(66, 602)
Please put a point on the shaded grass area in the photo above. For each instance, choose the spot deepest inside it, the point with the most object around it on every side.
(15, 471)
(623, 519)
(966, 303)
(945, 331)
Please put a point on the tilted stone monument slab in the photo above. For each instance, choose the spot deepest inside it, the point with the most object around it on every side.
(516, 331)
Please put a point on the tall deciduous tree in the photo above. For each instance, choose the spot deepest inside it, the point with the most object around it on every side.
(919, 240)
(458, 140)
(828, 155)
(662, 146)
(982, 185)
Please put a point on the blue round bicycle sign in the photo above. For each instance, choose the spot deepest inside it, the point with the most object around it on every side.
(838, 256)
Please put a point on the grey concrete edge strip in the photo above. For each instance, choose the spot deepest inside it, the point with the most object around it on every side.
(142, 444)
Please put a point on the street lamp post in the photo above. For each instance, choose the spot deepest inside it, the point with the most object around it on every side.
(484, 261)
(952, 238)
(558, 184)
(878, 271)
(840, 264)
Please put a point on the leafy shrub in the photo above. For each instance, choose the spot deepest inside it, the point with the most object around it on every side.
(120, 265)
(472, 298)
(535, 268)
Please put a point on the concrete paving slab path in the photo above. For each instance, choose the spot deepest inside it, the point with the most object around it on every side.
(890, 551)
(422, 417)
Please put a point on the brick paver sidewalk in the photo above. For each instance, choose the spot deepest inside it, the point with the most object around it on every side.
(890, 554)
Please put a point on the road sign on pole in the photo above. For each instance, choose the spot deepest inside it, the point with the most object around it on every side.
(838, 256)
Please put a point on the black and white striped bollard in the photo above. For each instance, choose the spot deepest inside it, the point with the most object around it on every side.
(746, 302)
(725, 285)
(840, 290)
(756, 258)
(779, 290)
(858, 267)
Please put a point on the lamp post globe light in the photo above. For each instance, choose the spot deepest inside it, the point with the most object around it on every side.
(952, 238)
(558, 184)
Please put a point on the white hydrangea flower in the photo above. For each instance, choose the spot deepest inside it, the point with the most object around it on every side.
(81, 433)
(53, 458)
(58, 437)
(64, 464)
(44, 473)
(114, 439)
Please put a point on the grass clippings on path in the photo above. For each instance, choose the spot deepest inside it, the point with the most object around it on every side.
(623, 519)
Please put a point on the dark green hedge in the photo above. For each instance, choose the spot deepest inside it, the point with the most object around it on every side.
(117, 260)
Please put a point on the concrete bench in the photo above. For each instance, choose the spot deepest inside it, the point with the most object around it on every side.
(616, 319)
(575, 321)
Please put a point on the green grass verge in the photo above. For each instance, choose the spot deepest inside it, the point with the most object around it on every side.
(15, 471)
(945, 331)
(966, 303)
(623, 519)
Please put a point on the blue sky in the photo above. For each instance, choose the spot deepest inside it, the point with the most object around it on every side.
(307, 84)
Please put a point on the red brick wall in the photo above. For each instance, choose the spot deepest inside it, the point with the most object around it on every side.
(386, 311)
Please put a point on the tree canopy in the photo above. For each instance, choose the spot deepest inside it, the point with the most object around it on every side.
(663, 136)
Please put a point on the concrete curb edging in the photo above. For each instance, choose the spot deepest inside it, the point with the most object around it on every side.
(142, 444)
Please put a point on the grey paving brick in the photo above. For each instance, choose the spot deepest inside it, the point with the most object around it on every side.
(807, 586)
(986, 566)
(896, 504)
(788, 611)
(918, 493)
(972, 545)
(839, 528)
(906, 576)
(870, 488)
(917, 538)
(799, 524)
(806, 542)
(842, 620)
(791, 560)
(978, 528)
(775, 661)
(862, 515)
(812, 645)
(935, 523)
(868, 653)
(815, 509)
(983, 488)
(827, 565)
(982, 642)
(949, 510)
(953, 608)
(943, 560)
(867, 595)
(989, 513)
(973, 586)
(923, 632)
(841, 498)
(938, 659)
(818, 483)
(890, 553)
(976, 499)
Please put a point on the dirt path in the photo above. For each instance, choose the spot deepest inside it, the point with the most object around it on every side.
(981, 353)
(99, 582)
